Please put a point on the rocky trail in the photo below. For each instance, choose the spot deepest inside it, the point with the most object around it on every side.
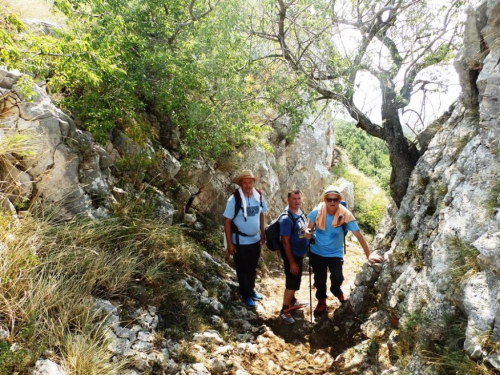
(312, 344)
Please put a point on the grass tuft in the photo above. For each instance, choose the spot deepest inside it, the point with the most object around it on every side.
(406, 251)
(464, 255)
(448, 357)
(51, 273)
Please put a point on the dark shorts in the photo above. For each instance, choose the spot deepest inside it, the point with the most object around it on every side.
(292, 282)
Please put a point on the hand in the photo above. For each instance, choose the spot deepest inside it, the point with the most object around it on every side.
(231, 249)
(294, 268)
(308, 233)
(262, 238)
(375, 258)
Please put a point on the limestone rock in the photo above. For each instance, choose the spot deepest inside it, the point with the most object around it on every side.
(47, 367)
(444, 249)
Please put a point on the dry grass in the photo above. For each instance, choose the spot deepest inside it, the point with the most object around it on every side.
(449, 357)
(23, 146)
(84, 353)
(464, 255)
(51, 273)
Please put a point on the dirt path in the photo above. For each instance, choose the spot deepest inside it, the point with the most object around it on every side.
(309, 346)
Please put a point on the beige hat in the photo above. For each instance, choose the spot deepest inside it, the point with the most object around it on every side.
(332, 190)
(245, 173)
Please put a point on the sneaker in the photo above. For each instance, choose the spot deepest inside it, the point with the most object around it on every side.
(321, 307)
(256, 296)
(249, 302)
(286, 317)
(298, 305)
(341, 298)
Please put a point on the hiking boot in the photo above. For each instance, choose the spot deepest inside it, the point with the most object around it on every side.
(341, 298)
(286, 317)
(321, 307)
(249, 302)
(298, 305)
(256, 296)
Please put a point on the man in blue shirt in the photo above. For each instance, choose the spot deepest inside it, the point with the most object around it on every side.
(295, 244)
(327, 220)
(244, 231)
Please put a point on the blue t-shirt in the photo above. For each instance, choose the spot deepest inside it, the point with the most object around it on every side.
(251, 226)
(329, 242)
(299, 245)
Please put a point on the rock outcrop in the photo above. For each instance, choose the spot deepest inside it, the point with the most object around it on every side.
(79, 176)
(442, 269)
(69, 170)
(442, 248)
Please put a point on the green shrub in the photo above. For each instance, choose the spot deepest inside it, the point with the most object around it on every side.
(368, 154)
(27, 352)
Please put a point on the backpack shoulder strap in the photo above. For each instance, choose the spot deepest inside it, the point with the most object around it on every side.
(292, 217)
(261, 198)
(237, 202)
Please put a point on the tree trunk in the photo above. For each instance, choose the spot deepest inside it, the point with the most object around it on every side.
(402, 155)
(403, 159)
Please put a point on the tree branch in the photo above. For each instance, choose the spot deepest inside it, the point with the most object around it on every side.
(193, 18)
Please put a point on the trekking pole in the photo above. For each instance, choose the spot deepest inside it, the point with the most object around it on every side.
(310, 286)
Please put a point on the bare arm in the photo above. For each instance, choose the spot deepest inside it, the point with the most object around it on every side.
(231, 249)
(372, 258)
(262, 228)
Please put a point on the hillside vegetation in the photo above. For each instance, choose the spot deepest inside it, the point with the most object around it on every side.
(178, 73)
(197, 80)
(368, 154)
(51, 274)
(364, 162)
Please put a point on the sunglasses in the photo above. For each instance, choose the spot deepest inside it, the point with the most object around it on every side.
(332, 199)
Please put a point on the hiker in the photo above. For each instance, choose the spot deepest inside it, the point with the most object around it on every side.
(327, 221)
(244, 224)
(292, 231)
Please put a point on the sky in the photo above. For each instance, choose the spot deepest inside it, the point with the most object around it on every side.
(368, 98)
(421, 110)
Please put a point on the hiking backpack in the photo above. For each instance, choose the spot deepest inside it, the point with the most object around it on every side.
(273, 237)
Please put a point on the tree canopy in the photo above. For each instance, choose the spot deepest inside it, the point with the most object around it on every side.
(186, 72)
(185, 63)
(331, 44)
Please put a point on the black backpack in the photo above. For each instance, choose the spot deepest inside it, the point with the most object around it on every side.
(273, 237)
(237, 207)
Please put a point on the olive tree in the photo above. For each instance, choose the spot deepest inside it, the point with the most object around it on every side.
(333, 44)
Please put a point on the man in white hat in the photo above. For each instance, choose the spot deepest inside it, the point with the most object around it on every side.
(328, 220)
(244, 224)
